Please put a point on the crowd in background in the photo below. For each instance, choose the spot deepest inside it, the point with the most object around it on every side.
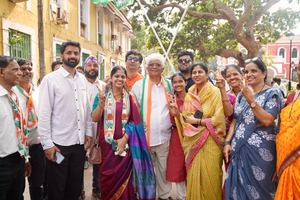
(151, 130)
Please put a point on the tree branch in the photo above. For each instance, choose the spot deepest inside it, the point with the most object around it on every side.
(248, 4)
(258, 14)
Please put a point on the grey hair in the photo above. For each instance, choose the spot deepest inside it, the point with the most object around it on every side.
(156, 56)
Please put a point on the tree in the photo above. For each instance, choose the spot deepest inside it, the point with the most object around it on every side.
(217, 27)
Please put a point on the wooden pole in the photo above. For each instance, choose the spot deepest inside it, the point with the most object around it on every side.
(41, 40)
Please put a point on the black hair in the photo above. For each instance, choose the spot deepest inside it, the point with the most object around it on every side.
(182, 76)
(275, 79)
(69, 43)
(201, 64)
(23, 61)
(185, 52)
(298, 84)
(5, 60)
(80, 67)
(134, 52)
(234, 66)
(117, 68)
(260, 65)
(279, 81)
(57, 62)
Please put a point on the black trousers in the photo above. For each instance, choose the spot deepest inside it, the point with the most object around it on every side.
(65, 179)
(11, 177)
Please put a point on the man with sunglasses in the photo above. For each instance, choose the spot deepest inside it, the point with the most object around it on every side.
(133, 61)
(185, 60)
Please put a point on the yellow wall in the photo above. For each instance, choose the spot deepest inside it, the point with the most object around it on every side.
(18, 13)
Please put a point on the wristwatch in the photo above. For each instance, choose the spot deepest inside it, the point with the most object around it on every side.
(253, 104)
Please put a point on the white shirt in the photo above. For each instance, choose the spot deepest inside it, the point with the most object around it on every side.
(92, 92)
(64, 111)
(283, 89)
(8, 131)
(275, 85)
(33, 137)
(160, 122)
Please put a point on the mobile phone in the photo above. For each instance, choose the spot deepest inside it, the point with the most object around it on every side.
(197, 115)
(58, 157)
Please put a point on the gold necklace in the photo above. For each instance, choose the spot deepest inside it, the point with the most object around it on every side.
(290, 116)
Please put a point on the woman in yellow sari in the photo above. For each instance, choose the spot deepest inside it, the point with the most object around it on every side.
(288, 152)
(202, 137)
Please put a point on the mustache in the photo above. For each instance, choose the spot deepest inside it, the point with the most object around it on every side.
(73, 59)
(27, 75)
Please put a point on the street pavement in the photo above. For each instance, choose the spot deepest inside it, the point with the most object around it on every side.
(88, 185)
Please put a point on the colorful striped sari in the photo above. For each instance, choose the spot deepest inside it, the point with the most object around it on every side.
(202, 145)
(287, 141)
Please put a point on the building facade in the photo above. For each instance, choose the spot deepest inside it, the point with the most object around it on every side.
(104, 32)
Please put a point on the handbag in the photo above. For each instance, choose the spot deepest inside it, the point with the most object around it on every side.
(95, 151)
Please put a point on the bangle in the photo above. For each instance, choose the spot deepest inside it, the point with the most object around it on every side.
(177, 115)
(226, 100)
(226, 143)
(200, 122)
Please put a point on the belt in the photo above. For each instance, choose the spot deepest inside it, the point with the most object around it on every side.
(11, 156)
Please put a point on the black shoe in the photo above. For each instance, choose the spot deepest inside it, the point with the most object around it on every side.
(96, 193)
(169, 198)
(82, 195)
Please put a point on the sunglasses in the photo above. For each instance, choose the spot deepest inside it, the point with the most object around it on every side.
(252, 59)
(187, 60)
(135, 59)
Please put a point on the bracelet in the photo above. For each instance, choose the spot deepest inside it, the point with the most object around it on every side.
(177, 115)
(227, 100)
(200, 122)
(226, 143)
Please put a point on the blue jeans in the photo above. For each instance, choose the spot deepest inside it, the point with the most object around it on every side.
(96, 180)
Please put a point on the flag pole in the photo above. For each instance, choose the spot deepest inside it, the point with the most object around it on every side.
(151, 25)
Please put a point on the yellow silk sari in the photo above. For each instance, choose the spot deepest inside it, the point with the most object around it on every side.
(286, 141)
(202, 145)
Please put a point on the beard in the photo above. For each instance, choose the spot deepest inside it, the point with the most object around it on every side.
(88, 75)
(184, 71)
(70, 64)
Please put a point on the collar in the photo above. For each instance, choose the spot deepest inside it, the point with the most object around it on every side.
(133, 77)
(65, 73)
(3, 91)
(160, 83)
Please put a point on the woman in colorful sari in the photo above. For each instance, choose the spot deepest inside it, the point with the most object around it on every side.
(288, 151)
(251, 137)
(122, 142)
(176, 171)
(202, 136)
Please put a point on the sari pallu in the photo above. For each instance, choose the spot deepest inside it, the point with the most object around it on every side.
(202, 145)
(253, 157)
(116, 172)
(286, 141)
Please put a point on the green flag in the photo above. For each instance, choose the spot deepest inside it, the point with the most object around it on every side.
(118, 3)
(103, 2)
(123, 3)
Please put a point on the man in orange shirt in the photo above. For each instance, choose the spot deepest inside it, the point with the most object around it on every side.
(133, 61)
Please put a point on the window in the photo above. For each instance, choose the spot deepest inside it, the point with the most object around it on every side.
(111, 32)
(231, 60)
(57, 56)
(84, 20)
(101, 23)
(20, 45)
(295, 53)
(282, 52)
(101, 58)
(84, 57)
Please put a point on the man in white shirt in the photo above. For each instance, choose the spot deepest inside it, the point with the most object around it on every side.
(91, 71)
(13, 141)
(158, 131)
(27, 99)
(274, 83)
(65, 124)
(282, 88)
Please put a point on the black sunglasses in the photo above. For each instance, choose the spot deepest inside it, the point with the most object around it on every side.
(135, 59)
(252, 59)
(187, 60)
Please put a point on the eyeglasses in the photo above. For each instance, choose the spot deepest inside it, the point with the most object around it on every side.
(154, 64)
(187, 60)
(252, 59)
(135, 59)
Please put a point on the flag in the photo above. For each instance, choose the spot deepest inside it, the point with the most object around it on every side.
(118, 3)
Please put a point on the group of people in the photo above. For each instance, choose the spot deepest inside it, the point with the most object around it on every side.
(151, 130)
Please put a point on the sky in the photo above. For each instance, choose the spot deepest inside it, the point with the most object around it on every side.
(294, 6)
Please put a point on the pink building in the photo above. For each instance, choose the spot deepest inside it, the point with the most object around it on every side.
(280, 53)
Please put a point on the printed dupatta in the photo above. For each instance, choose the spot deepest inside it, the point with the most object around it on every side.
(110, 114)
(32, 119)
(19, 123)
(146, 102)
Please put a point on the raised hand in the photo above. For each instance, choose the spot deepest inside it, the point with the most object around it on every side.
(246, 91)
(101, 96)
(172, 105)
(220, 81)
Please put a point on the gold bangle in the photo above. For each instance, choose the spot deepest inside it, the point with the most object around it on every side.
(225, 100)
(177, 115)
(200, 122)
